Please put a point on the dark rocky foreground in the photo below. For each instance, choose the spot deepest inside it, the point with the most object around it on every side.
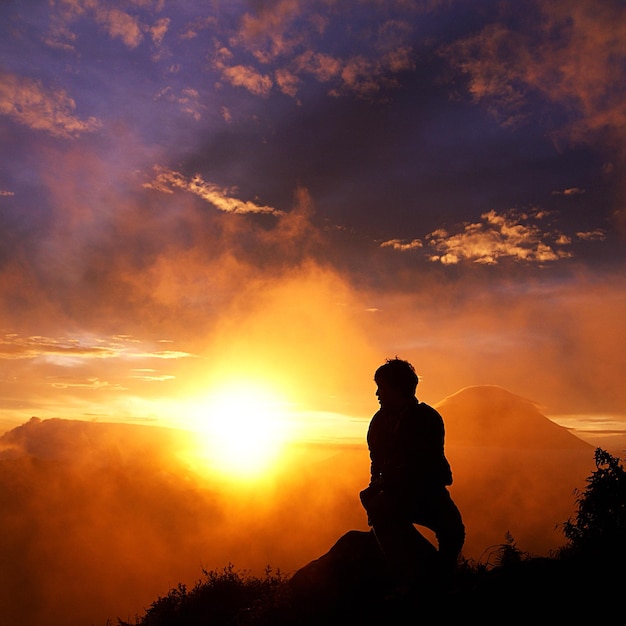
(350, 585)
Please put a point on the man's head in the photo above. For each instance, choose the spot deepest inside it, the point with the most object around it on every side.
(396, 380)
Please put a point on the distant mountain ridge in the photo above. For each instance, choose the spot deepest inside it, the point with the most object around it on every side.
(71, 440)
(488, 415)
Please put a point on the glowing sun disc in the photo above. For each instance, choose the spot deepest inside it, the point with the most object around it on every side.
(244, 427)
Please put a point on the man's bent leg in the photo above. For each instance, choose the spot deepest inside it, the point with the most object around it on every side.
(410, 556)
(442, 516)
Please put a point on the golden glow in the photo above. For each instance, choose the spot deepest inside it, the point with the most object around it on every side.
(243, 428)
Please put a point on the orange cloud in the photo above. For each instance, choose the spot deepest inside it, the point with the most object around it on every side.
(496, 237)
(29, 103)
(287, 82)
(399, 244)
(247, 77)
(323, 66)
(13, 346)
(571, 55)
(570, 191)
(192, 29)
(590, 64)
(188, 100)
(271, 38)
(159, 29)
(119, 24)
(592, 235)
(167, 179)
(116, 22)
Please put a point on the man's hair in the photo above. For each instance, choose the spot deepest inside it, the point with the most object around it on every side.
(398, 374)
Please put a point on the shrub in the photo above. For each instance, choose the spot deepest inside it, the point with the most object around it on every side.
(599, 526)
(221, 598)
(504, 554)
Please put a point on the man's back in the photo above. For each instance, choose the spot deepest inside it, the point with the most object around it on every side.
(408, 448)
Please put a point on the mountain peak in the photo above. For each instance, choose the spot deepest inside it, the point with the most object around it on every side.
(488, 415)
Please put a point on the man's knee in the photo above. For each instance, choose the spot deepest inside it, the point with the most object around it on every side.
(450, 546)
(383, 510)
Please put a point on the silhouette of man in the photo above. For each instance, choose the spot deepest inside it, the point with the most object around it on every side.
(409, 478)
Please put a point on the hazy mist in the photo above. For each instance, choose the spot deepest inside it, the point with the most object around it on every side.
(99, 519)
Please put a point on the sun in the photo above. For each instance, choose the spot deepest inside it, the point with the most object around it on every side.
(243, 427)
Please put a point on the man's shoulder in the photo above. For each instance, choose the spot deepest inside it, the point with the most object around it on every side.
(422, 406)
(376, 420)
(427, 411)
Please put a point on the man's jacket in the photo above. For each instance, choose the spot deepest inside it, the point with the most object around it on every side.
(407, 450)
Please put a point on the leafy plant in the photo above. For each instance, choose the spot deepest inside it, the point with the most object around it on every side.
(599, 526)
(221, 598)
(505, 554)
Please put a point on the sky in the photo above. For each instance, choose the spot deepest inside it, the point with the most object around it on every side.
(262, 201)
